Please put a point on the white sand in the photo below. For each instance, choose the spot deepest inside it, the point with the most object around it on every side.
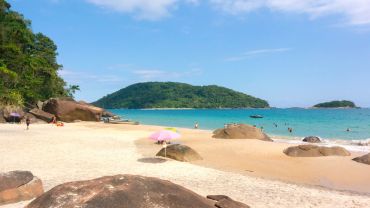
(78, 152)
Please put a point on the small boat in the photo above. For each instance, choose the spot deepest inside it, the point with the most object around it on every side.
(256, 116)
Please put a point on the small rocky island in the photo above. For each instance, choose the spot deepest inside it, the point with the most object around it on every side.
(336, 104)
(178, 95)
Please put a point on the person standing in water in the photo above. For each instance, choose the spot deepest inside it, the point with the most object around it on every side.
(28, 122)
(196, 126)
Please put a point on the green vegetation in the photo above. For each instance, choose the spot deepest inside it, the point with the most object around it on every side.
(336, 104)
(178, 95)
(28, 66)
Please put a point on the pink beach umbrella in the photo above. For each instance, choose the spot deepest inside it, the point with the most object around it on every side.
(164, 135)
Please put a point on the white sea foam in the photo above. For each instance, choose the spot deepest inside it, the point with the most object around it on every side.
(350, 145)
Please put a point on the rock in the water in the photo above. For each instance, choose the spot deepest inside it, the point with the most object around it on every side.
(315, 151)
(19, 186)
(180, 152)
(363, 159)
(312, 139)
(226, 202)
(240, 131)
(121, 191)
(40, 114)
(68, 110)
(108, 114)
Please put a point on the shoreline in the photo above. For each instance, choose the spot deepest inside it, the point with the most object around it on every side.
(353, 145)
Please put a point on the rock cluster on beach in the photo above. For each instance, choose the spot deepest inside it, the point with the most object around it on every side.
(64, 109)
(69, 110)
(240, 131)
(179, 152)
(365, 159)
(19, 186)
(125, 191)
(315, 151)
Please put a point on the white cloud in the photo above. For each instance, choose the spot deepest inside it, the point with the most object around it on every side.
(257, 52)
(355, 12)
(142, 9)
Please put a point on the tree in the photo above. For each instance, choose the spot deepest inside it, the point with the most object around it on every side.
(29, 69)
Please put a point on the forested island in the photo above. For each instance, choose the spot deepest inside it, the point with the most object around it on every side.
(28, 65)
(336, 104)
(178, 95)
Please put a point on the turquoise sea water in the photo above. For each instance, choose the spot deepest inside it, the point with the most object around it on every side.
(326, 123)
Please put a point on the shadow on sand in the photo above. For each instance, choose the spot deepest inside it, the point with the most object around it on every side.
(152, 160)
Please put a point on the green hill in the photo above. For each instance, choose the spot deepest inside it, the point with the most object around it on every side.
(336, 104)
(178, 95)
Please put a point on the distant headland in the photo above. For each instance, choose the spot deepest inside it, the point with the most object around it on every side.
(336, 104)
(156, 95)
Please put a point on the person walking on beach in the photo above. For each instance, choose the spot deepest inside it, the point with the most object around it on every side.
(28, 122)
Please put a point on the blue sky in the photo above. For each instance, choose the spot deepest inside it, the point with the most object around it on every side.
(289, 52)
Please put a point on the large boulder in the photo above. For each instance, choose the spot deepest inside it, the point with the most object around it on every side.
(19, 186)
(315, 151)
(33, 119)
(312, 139)
(365, 159)
(179, 152)
(40, 114)
(240, 131)
(121, 191)
(68, 110)
(9, 111)
(14, 179)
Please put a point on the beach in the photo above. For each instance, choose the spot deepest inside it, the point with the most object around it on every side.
(254, 172)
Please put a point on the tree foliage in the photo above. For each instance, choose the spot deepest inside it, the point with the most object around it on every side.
(28, 65)
(336, 104)
(178, 95)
